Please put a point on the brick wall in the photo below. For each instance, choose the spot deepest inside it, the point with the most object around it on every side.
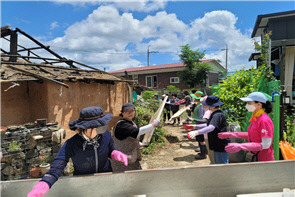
(163, 80)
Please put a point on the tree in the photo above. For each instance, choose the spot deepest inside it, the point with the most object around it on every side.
(195, 72)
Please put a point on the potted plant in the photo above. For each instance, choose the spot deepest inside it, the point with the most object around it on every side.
(14, 147)
(44, 166)
(35, 171)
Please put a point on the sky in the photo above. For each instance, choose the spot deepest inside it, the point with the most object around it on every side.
(113, 35)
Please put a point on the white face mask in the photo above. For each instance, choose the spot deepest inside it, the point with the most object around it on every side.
(102, 129)
(250, 108)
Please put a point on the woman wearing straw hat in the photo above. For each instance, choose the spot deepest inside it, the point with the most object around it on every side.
(90, 149)
(260, 130)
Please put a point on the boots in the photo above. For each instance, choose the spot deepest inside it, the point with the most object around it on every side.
(202, 154)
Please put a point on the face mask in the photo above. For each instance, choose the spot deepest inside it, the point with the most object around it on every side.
(102, 129)
(250, 108)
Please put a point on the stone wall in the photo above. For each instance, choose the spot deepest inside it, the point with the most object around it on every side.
(36, 140)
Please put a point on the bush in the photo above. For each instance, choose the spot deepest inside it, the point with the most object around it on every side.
(290, 130)
(148, 95)
(144, 112)
(237, 85)
(172, 89)
(14, 146)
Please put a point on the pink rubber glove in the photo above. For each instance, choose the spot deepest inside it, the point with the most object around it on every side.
(192, 134)
(189, 126)
(235, 147)
(39, 189)
(156, 123)
(225, 135)
(119, 156)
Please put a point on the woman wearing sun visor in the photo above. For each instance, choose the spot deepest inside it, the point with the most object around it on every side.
(260, 130)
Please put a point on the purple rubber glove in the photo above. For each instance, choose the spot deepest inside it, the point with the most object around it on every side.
(224, 135)
(39, 189)
(235, 147)
(119, 156)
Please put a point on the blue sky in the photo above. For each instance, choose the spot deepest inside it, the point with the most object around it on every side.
(115, 35)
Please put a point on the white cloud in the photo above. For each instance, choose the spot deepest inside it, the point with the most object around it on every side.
(102, 39)
(54, 25)
(215, 30)
(125, 5)
(140, 5)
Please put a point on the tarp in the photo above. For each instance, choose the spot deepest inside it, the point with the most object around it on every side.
(288, 152)
(148, 136)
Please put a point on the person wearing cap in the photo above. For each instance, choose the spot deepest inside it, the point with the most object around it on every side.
(215, 125)
(260, 130)
(156, 97)
(126, 138)
(198, 113)
(90, 149)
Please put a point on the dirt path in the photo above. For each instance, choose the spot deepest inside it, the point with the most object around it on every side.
(178, 151)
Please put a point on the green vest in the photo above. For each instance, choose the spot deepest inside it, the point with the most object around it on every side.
(196, 111)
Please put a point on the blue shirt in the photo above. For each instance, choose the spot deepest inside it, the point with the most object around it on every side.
(91, 160)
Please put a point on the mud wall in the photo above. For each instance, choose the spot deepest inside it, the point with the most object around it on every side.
(31, 101)
(14, 103)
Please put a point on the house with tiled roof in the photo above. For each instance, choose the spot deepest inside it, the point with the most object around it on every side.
(160, 76)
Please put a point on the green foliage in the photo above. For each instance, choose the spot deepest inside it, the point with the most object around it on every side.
(43, 159)
(14, 146)
(172, 89)
(194, 73)
(264, 56)
(290, 123)
(237, 85)
(144, 112)
(148, 95)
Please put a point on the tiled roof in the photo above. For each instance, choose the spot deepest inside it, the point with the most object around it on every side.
(156, 67)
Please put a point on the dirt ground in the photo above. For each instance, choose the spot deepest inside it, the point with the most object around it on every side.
(179, 151)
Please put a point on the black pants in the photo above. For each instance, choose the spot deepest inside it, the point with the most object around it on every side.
(200, 138)
(166, 113)
(178, 119)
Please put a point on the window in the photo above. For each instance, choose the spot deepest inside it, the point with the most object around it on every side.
(135, 77)
(174, 79)
(152, 81)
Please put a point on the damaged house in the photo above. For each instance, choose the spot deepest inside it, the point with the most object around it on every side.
(54, 89)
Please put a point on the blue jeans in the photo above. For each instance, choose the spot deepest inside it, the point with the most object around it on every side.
(221, 157)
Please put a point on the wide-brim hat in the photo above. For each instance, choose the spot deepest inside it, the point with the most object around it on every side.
(212, 101)
(91, 117)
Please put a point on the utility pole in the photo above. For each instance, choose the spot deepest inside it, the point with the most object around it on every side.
(226, 53)
(148, 54)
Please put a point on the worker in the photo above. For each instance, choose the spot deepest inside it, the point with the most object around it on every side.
(90, 149)
(126, 138)
(175, 108)
(167, 108)
(156, 97)
(260, 130)
(215, 125)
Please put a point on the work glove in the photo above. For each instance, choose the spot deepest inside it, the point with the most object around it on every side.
(189, 126)
(225, 135)
(39, 189)
(156, 123)
(192, 134)
(119, 156)
(235, 147)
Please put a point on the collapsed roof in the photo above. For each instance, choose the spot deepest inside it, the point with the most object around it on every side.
(32, 67)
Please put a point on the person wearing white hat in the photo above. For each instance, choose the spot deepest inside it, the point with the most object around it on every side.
(260, 130)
